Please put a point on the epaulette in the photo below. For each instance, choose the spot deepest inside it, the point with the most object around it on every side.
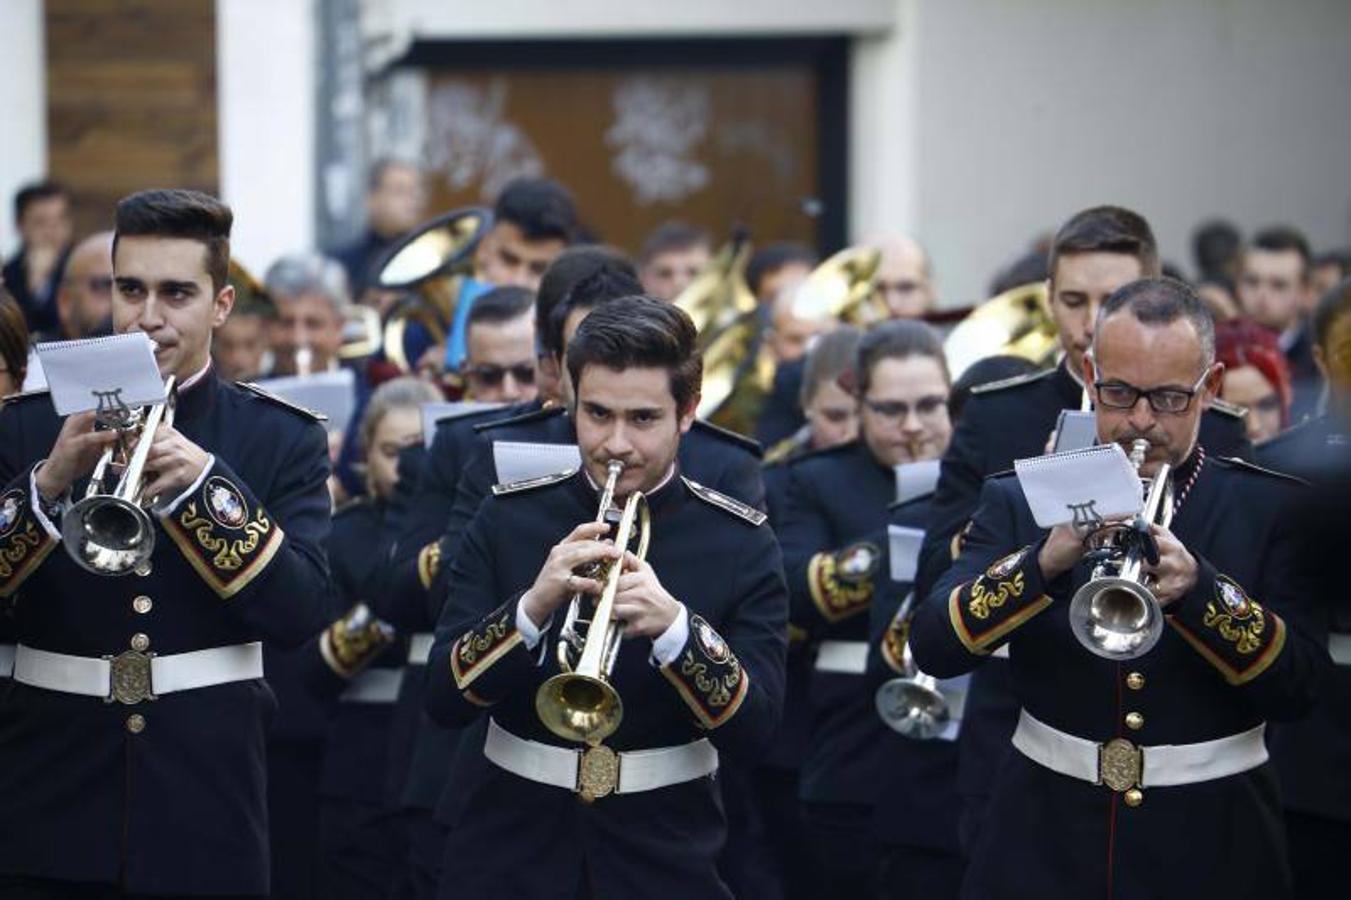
(901, 504)
(10, 399)
(529, 484)
(824, 451)
(1015, 381)
(782, 451)
(727, 504)
(1261, 470)
(538, 415)
(1233, 410)
(351, 505)
(731, 437)
(282, 401)
(462, 415)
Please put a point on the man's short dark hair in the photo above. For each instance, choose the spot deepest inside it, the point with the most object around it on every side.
(1331, 307)
(640, 332)
(36, 192)
(382, 166)
(1280, 238)
(1107, 229)
(499, 305)
(541, 207)
(587, 277)
(897, 339)
(1215, 244)
(672, 237)
(1161, 301)
(1341, 258)
(773, 257)
(173, 213)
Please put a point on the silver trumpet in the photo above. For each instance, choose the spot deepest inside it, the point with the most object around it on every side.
(109, 532)
(912, 705)
(1115, 614)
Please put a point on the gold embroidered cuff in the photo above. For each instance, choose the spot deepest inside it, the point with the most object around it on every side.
(985, 611)
(841, 583)
(24, 543)
(351, 643)
(894, 639)
(488, 641)
(708, 676)
(428, 564)
(228, 538)
(1235, 634)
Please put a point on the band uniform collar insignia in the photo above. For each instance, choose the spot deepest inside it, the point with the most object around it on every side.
(722, 501)
(526, 484)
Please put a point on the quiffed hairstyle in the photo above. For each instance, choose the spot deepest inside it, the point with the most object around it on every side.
(1331, 306)
(1107, 229)
(897, 339)
(13, 338)
(36, 192)
(501, 304)
(1279, 238)
(602, 285)
(670, 237)
(191, 215)
(640, 332)
(1160, 301)
(541, 207)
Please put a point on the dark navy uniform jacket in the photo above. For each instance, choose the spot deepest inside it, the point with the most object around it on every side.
(915, 781)
(1313, 755)
(177, 807)
(1234, 653)
(1003, 421)
(514, 837)
(834, 535)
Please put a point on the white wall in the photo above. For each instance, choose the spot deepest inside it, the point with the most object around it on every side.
(23, 101)
(1029, 111)
(266, 69)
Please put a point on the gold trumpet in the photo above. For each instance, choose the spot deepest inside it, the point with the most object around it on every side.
(109, 532)
(579, 703)
(1114, 614)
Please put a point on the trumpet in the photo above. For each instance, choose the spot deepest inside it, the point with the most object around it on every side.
(912, 705)
(109, 532)
(580, 703)
(1114, 614)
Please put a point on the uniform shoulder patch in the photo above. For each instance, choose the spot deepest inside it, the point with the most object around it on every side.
(1017, 380)
(464, 415)
(257, 391)
(538, 415)
(783, 451)
(1225, 408)
(1235, 462)
(727, 504)
(731, 437)
(529, 484)
(825, 451)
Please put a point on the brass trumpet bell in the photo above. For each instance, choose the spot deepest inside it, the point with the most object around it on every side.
(1017, 322)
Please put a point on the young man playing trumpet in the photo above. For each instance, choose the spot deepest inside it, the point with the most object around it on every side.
(700, 671)
(132, 738)
(1147, 776)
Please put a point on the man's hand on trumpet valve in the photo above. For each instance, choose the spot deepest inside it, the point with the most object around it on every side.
(173, 464)
(641, 603)
(557, 582)
(1174, 575)
(78, 447)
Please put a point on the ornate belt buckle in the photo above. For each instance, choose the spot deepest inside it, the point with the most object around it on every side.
(1120, 764)
(130, 681)
(597, 773)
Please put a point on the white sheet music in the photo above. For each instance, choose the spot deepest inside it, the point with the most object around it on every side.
(435, 412)
(518, 460)
(915, 479)
(905, 543)
(1097, 482)
(110, 371)
(331, 393)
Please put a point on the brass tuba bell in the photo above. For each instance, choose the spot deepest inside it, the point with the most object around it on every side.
(1114, 614)
(842, 288)
(579, 703)
(719, 295)
(429, 263)
(1017, 322)
(108, 531)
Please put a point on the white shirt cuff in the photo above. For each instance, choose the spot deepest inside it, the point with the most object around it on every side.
(35, 500)
(165, 509)
(666, 646)
(531, 634)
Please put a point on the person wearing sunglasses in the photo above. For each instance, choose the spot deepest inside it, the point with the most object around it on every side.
(84, 302)
(499, 365)
(1109, 755)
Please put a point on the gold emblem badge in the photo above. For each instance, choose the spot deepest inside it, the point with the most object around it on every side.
(225, 504)
(1232, 598)
(1005, 566)
(714, 646)
(1120, 764)
(598, 773)
(10, 510)
(130, 681)
(857, 562)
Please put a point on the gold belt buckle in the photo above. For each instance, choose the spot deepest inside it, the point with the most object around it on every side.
(597, 773)
(130, 681)
(1120, 764)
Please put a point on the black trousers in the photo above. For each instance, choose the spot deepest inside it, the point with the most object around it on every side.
(361, 847)
(844, 849)
(1318, 849)
(293, 816)
(776, 791)
(13, 887)
(419, 873)
(918, 873)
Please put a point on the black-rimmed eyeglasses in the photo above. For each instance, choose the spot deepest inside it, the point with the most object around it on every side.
(1120, 395)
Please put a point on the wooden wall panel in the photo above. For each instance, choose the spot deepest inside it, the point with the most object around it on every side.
(131, 99)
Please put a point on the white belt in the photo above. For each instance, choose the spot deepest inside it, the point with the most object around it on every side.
(1121, 765)
(373, 686)
(633, 771)
(845, 657)
(133, 677)
(6, 660)
(1339, 648)
(420, 648)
